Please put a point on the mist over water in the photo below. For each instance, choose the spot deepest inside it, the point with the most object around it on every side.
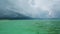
(31, 8)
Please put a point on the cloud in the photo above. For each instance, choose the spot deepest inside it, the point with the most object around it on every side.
(50, 6)
(33, 8)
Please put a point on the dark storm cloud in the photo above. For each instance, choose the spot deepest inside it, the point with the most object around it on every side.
(9, 11)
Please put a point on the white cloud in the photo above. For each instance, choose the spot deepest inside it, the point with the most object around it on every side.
(46, 5)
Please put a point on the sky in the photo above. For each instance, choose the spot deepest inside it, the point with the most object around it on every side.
(31, 8)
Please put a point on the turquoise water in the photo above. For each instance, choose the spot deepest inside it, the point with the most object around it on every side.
(29, 26)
